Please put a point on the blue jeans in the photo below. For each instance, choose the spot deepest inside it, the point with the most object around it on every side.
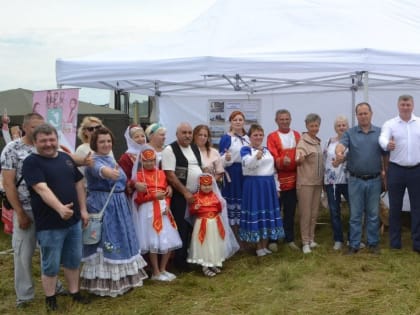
(62, 246)
(334, 193)
(364, 196)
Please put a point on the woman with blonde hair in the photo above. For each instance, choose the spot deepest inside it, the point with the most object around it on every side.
(335, 181)
(84, 133)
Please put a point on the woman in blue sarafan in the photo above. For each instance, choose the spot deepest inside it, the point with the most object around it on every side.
(229, 147)
(114, 265)
(260, 214)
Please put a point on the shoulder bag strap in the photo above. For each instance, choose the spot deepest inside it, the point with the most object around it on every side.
(101, 213)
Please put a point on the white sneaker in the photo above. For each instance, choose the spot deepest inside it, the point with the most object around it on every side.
(261, 252)
(168, 275)
(273, 247)
(293, 245)
(159, 277)
(313, 244)
(338, 245)
(306, 249)
(267, 251)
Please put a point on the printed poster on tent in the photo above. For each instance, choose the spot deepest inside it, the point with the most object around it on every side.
(220, 110)
(59, 108)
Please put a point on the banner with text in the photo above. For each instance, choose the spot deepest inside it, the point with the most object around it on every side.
(59, 108)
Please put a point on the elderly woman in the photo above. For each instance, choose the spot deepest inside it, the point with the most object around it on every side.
(335, 181)
(310, 174)
(156, 135)
(135, 138)
(210, 157)
(114, 265)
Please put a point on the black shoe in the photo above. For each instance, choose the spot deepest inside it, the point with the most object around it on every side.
(374, 249)
(77, 297)
(51, 302)
(351, 251)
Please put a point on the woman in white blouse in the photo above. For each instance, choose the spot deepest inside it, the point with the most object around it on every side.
(260, 215)
(335, 181)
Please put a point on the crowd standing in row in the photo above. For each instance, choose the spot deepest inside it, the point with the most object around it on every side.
(201, 203)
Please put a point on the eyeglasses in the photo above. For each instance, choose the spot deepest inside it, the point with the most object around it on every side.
(90, 129)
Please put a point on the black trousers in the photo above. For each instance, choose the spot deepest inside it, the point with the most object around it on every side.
(178, 207)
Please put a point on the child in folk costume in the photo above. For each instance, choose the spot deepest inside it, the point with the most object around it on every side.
(155, 227)
(212, 240)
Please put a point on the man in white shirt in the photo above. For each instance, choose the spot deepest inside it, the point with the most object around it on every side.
(181, 162)
(401, 137)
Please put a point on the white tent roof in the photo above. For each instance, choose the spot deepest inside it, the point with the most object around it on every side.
(245, 46)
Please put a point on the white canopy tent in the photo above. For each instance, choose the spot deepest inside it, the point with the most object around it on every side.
(305, 55)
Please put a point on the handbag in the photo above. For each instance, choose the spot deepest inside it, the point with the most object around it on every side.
(7, 219)
(7, 211)
(93, 232)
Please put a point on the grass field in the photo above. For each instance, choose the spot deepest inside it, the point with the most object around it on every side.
(287, 282)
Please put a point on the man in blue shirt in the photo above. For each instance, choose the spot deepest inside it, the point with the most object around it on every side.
(364, 163)
(58, 203)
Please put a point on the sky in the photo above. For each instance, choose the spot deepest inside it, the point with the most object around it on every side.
(33, 34)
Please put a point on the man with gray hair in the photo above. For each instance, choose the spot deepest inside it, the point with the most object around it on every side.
(401, 137)
(181, 162)
(282, 146)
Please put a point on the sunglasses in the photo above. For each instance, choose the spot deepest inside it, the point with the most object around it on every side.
(90, 129)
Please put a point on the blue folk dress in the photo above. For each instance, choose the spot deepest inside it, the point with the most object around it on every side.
(114, 265)
(233, 178)
(260, 210)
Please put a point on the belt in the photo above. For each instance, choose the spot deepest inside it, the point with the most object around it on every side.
(407, 167)
(365, 177)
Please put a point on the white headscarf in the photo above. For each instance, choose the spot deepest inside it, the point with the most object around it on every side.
(133, 146)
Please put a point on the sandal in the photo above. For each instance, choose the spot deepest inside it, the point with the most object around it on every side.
(208, 273)
(216, 269)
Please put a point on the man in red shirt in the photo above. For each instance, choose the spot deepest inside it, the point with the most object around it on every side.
(282, 145)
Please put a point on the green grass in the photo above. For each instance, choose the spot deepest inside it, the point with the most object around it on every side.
(287, 282)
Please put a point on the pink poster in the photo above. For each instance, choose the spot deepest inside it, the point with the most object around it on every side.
(59, 108)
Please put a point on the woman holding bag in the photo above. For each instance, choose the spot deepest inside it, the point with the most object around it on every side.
(114, 265)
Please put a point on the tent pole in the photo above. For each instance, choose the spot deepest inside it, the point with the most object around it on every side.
(366, 86)
(353, 103)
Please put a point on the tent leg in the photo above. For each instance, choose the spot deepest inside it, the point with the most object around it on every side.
(366, 86)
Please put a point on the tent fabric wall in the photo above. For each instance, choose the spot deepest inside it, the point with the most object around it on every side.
(194, 109)
(304, 55)
(18, 102)
(296, 45)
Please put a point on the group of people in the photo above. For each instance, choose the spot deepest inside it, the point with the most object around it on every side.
(200, 203)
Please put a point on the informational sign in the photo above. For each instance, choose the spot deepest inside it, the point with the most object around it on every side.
(220, 110)
(59, 108)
